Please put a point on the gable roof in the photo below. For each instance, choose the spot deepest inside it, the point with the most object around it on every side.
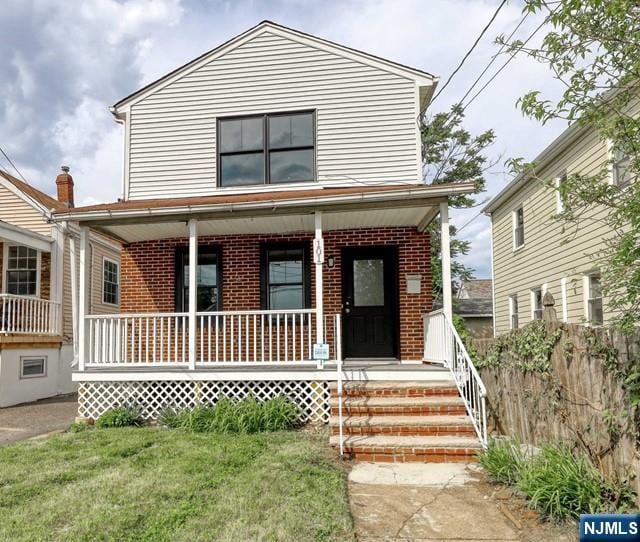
(36, 198)
(475, 289)
(426, 78)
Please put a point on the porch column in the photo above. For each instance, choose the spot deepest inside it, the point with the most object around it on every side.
(56, 278)
(318, 260)
(446, 260)
(193, 291)
(82, 296)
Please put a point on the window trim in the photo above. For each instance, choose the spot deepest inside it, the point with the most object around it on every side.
(586, 286)
(33, 358)
(264, 272)
(560, 208)
(514, 226)
(5, 269)
(563, 295)
(266, 150)
(532, 294)
(182, 251)
(106, 259)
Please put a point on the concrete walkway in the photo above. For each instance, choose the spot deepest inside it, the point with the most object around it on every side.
(41, 417)
(439, 501)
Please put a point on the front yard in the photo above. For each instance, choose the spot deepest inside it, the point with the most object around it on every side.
(156, 484)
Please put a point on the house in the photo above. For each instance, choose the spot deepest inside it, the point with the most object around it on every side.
(289, 168)
(534, 252)
(473, 301)
(36, 309)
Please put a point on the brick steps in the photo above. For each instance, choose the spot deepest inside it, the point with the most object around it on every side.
(404, 425)
(403, 421)
(401, 449)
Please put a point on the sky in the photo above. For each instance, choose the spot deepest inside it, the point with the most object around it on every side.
(65, 62)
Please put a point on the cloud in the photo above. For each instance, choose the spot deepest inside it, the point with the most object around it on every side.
(65, 63)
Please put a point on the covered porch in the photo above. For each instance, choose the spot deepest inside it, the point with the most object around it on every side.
(351, 280)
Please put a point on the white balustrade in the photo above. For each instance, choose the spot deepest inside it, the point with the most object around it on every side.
(29, 315)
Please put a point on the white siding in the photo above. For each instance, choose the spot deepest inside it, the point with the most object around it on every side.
(366, 117)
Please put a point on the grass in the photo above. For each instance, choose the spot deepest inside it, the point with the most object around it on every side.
(557, 482)
(157, 484)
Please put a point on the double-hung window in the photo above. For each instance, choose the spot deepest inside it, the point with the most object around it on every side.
(594, 300)
(536, 304)
(266, 149)
(518, 228)
(285, 277)
(513, 311)
(208, 275)
(110, 282)
(559, 193)
(22, 270)
(620, 168)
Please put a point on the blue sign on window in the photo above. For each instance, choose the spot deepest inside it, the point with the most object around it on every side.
(609, 527)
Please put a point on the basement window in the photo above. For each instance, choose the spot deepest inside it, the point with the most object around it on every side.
(274, 148)
(31, 367)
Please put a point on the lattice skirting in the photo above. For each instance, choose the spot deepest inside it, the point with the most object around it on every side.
(152, 397)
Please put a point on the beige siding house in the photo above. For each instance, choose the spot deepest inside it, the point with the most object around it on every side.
(36, 302)
(533, 251)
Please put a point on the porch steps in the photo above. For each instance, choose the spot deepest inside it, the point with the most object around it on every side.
(403, 421)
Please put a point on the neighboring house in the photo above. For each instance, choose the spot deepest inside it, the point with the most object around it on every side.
(474, 303)
(289, 168)
(533, 251)
(36, 309)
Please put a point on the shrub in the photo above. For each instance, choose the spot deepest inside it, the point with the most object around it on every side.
(79, 427)
(227, 416)
(503, 460)
(120, 417)
(561, 484)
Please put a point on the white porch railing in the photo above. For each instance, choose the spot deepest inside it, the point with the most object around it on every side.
(442, 343)
(29, 315)
(226, 337)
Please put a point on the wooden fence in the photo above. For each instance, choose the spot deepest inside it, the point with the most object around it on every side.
(580, 399)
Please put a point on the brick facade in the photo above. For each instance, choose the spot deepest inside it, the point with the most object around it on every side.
(148, 274)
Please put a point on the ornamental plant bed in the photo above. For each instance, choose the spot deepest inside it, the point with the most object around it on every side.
(146, 483)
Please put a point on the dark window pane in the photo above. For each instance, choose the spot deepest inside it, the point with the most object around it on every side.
(33, 367)
(287, 166)
(241, 135)
(291, 131)
(285, 272)
(368, 283)
(285, 297)
(242, 169)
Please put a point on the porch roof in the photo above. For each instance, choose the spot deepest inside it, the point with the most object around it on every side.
(10, 233)
(269, 212)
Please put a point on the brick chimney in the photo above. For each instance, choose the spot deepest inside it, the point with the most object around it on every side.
(64, 184)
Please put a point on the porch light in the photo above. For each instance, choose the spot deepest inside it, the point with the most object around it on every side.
(331, 262)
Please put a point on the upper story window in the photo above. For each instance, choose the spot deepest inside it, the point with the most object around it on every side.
(518, 228)
(594, 299)
(208, 277)
(620, 169)
(559, 201)
(110, 281)
(22, 270)
(266, 149)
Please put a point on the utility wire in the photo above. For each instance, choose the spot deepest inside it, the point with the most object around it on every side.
(466, 56)
(13, 165)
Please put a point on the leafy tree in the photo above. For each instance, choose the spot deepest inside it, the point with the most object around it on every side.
(593, 48)
(451, 154)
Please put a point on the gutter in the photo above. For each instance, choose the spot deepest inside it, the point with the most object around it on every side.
(407, 194)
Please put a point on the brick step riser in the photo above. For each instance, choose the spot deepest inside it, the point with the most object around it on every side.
(435, 431)
(453, 455)
(418, 392)
(366, 410)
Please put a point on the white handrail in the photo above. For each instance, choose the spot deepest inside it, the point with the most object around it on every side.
(20, 314)
(338, 341)
(456, 358)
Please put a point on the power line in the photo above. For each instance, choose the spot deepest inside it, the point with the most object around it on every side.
(13, 165)
(466, 56)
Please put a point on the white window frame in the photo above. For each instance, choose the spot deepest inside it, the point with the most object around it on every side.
(33, 358)
(563, 294)
(532, 298)
(559, 202)
(5, 268)
(612, 167)
(586, 289)
(513, 306)
(106, 259)
(514, 225)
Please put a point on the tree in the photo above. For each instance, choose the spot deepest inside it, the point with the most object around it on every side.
(450, 154)
(593, 48)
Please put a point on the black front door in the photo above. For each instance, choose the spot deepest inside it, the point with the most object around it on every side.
(370, 302)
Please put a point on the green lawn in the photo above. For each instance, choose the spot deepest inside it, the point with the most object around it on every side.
(157, 484)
